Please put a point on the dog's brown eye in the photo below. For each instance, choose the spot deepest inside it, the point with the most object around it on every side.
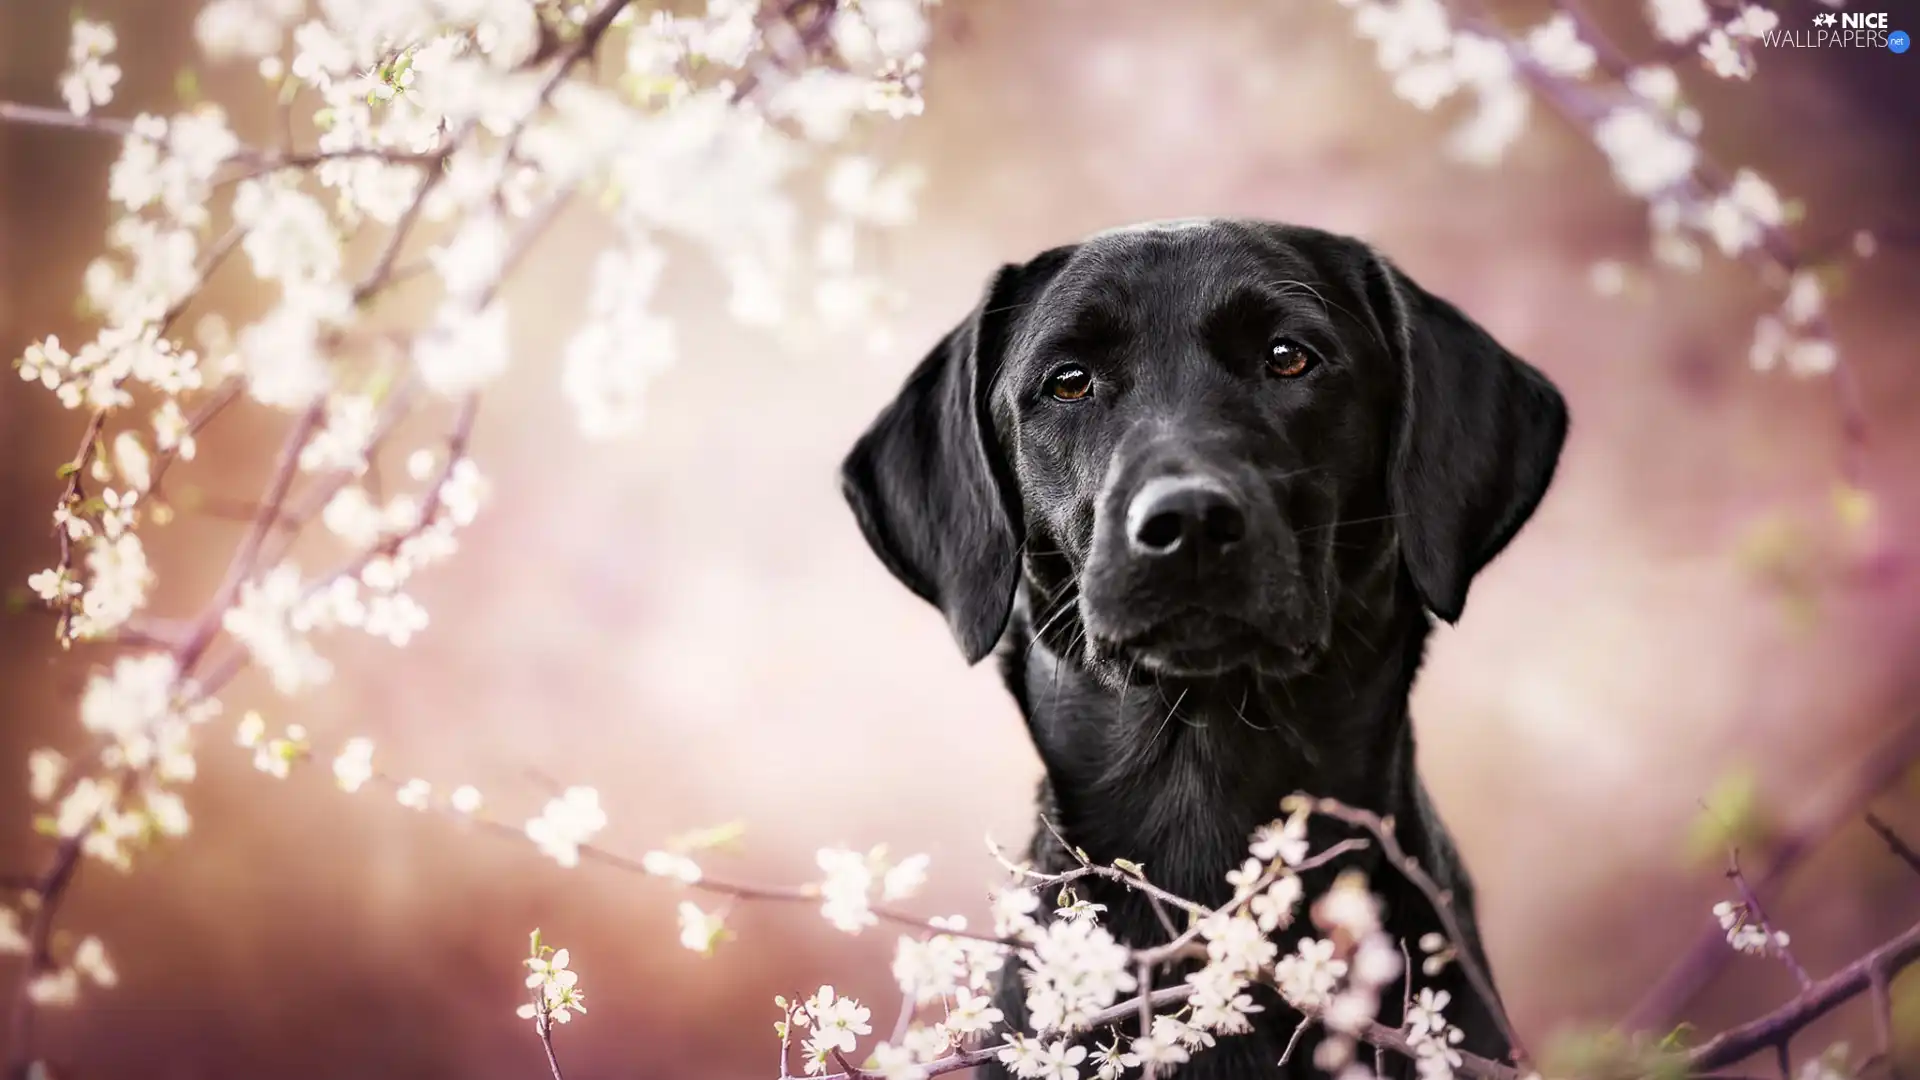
(1290, 359)
(1070, 383)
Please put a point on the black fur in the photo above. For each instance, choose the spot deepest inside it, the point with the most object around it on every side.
(1176, 699)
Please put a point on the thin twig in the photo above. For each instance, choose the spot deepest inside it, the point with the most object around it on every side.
(1150, 1069)
(546, 1042)
(241, 567)
(226, 394)
(1774, 943)
(1894, 843)
(1293, 1042)
(1406, 1003)
(1180, 946)
(13, 112)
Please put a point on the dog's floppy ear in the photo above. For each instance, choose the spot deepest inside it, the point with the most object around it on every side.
(928, 481)
(1478, 440)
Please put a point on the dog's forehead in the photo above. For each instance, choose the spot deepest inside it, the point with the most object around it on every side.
(1184, 261)
(1168, 225)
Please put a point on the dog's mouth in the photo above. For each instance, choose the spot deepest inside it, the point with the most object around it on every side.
(1197, 643)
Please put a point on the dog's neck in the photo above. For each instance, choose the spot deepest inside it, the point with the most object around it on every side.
(1178, 773)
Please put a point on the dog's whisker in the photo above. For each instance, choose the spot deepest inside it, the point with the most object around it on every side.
(1240, 710)
(1058, 607)
(1063, 608)
(1060, 661)
(1344, 522)
(1170, 713)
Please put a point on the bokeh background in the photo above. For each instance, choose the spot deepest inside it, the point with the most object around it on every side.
(689, 621)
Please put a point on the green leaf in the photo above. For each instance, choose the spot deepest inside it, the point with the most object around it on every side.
(66, 470)
(727, 836)
(186, 86)
(1603, 1054)
(1131, 867)
(1733, 817)
(1903, 999)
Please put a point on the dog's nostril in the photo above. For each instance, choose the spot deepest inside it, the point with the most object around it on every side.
(1161, 533)
(1172, 513)
(1224, 524)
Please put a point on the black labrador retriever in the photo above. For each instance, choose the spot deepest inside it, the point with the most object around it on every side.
(1203, 482)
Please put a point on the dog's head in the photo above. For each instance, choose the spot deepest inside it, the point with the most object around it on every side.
(1185, 430)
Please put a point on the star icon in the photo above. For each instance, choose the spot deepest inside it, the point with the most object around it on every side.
(1825, 18)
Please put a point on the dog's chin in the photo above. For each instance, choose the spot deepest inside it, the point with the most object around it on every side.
(1198, 645)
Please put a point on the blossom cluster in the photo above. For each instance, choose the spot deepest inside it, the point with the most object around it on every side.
(442, 138)
(1746, 933)
(1637, 116)
(555, 987)
(1075, 978)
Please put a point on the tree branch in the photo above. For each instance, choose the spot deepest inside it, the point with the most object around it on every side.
(1879, 770)
(1775, 1028)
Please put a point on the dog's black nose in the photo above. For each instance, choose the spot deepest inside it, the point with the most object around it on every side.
(1183, 513)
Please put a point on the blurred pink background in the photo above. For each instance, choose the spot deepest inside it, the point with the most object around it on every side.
(689, 621)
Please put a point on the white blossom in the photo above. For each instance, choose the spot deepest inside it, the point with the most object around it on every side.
(904, 878)
(1726, 56)
(555, 986)
(1074, 969)
(700, 930)
(845, 893)
(1035, 1059)
(623, 346)
(269, 622)
(343, 442)
(896, 1063)
(1307, 976)
(669, 865)
(464, 350)
(1557, 46)
(46, 768)
(1282, 840)
(13, 937)
(354, 767)
(1647, 156)
(1679, 20)
(118, 578)
(90, 959)
(90, 78)
(566, 823)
